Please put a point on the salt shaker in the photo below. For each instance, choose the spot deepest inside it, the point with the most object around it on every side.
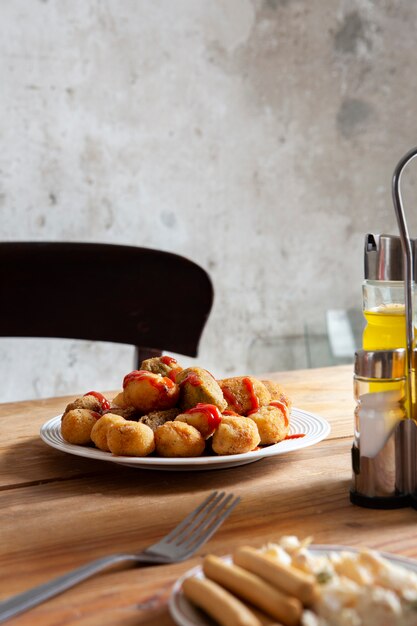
(380, 392)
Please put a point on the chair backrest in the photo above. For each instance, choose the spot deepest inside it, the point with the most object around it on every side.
(154, 300)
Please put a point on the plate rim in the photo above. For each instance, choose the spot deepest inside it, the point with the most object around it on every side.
(209, 462)
(176, 597)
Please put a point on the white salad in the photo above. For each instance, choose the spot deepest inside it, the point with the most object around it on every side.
(355, 588)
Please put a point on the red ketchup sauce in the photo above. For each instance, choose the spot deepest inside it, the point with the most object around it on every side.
(232, 400)
(253, 397)
(159, 382)
(168, 360)
(175, 368)
(210, 411)
(228, 412)
(283, 407)
(105, 404)
(193, 379)
(174, 373)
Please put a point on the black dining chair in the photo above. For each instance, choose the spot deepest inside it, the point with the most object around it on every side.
(154, 300)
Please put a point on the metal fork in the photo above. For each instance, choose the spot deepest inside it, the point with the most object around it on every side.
(181, 543)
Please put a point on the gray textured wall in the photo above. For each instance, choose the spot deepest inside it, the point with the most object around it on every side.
(257, 137)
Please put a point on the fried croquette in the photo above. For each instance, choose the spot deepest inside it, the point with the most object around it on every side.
(164, 365)
(149, 392)
(86, 402)
(101, 428)
(119, 400)
(77, 424)
(244, 394)
(130, 439)
(235, 435)
(198, 386)
(204, 417)
(277, 392)
(129, 412)
(178, 439)
(105, 404)
(272, 423)
(157, 418)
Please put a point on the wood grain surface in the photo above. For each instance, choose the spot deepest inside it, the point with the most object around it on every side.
(59, 511)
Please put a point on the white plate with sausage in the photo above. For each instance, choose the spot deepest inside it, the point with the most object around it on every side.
(185, 613)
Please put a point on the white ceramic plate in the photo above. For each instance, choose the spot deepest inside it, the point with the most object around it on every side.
(313, 427)
(185, 614)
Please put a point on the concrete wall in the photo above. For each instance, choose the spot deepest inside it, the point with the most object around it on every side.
(257, 137)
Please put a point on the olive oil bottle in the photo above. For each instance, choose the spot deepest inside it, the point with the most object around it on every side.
(383, 294)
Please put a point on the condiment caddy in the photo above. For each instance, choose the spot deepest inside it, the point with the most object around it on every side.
(384, 451)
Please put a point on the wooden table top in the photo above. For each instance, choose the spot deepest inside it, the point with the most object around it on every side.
(58, 511)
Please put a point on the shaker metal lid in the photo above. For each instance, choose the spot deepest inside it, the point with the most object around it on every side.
(380, 363)
(383, 257)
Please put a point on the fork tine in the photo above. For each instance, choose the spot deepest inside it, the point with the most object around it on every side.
(194, 519)
(204, 518)
(203, 532)
(212, 497)
(197, 540)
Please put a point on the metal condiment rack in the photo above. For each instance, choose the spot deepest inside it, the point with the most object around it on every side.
(409, 434)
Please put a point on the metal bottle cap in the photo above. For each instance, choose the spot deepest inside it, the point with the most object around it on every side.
(386, 364)
(384, 257)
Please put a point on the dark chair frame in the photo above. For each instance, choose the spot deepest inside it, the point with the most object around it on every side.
(154, 300)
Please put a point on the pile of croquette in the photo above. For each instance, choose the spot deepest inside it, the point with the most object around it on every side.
(166, 410)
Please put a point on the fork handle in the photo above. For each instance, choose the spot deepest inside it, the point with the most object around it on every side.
(28, 599)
